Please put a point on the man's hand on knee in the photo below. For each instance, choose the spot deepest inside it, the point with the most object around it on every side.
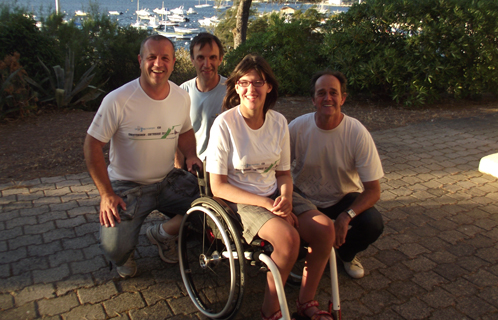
(109, 209)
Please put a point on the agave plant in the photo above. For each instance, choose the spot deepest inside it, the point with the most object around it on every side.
(61, 83)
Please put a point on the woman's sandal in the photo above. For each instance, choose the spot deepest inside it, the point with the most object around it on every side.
(302, 307)
(276, 316)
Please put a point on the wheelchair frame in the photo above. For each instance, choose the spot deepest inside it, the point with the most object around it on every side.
(210, 251)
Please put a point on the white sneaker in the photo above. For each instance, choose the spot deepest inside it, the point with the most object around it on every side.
(129, 269)
(354, 268)
(166, 247)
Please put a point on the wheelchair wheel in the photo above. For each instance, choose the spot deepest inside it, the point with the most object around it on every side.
(212, 260)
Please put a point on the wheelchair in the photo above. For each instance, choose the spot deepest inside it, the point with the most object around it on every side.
(213, 257)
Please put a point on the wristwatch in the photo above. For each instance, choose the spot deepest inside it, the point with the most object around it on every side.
(351, 213)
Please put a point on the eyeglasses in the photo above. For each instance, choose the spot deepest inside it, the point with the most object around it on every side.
(257, 83)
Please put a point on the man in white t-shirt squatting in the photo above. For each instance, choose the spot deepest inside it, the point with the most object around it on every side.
(145, 120)
(207, 90)
(338, 168)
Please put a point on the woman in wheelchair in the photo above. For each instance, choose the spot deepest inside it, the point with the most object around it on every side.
(248, 159)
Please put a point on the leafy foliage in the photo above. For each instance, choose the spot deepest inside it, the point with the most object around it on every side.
(412, 52)
(184, 70)
(16, 96)
(281, 44)
(18, 33)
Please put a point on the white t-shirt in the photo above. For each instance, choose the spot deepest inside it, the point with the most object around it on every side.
(332, 163)
(249, 158)
(143, 131)
(204, 108)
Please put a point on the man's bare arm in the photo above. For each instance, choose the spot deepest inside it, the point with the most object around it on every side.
(186, 144)
(97, 167)
(365, 200)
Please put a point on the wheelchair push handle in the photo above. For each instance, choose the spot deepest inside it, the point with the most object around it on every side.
(198, 171)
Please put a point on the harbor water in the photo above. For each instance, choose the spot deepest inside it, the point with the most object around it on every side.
(124, 11)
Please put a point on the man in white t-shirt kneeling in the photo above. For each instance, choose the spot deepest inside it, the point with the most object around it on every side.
(144, 120)
(337, 167)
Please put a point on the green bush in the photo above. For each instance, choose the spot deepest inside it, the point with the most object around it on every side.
(16, 97)
(414, 51)
(18, 33)
(184, 70)
(290, 48)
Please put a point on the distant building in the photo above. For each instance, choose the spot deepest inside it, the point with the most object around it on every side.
(335, 2)
(288, 10)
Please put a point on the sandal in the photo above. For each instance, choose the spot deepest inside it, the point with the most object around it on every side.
(276, 316)
(302, 307)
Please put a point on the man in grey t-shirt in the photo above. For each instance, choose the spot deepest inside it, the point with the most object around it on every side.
(206, 91)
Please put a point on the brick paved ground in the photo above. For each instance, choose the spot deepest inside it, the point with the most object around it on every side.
(437, 259)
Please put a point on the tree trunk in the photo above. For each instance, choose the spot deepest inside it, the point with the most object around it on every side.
(242, 22)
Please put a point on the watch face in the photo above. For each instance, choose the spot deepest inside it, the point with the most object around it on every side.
(351, 213)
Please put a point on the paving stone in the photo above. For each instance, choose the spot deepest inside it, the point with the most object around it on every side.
(65, 256)
(44, 249)
(483, 278)
(413, 309)
(89, 312)
(63, 206)
(25, 312)
(57, 305)
(450, 271)
(79, 242)
(47, 201)
(124, 302)
(160, 292)
(23, 241)
(98, 294)
(52, 216)
(51, 275)
(57, 192)
(6, 301)
(40, 228)
(67, 183)
(14, 191)
(13, 255)
(18, 205)
(29, 264)
(412, 250)
(490, 295)
(181, 306)
(83, 188)
(474, 307)
(73, 283)
(377, 301)
(460, 287)
(30, 196)
(89, 227)
(158, 311)
(33, 293)
(429, 280)
(88, 265)
(82, 211)
(53, 179)
(15, 283)
(57, 234)
(35, 211)
(70, 222)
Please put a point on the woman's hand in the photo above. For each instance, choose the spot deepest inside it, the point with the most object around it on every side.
(282, 206)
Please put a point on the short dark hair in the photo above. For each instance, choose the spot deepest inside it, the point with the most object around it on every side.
(248, 63)
(204, 38)
(155, 37)
(339, 75)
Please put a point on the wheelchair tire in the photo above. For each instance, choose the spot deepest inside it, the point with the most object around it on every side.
(212, 260)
